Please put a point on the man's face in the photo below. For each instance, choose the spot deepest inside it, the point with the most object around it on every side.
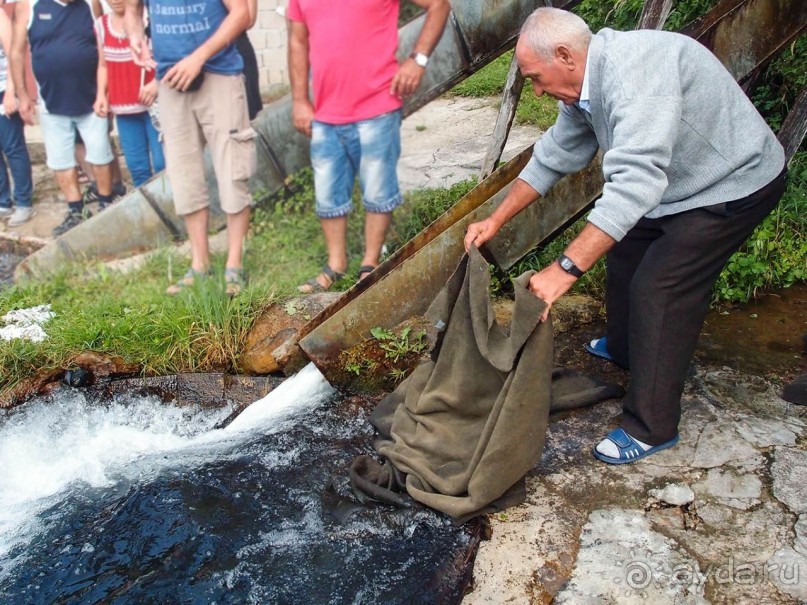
(561, 77)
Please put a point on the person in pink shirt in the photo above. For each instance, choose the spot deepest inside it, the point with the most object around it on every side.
(354, 121)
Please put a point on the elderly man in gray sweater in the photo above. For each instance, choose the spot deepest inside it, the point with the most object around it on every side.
(690, 169)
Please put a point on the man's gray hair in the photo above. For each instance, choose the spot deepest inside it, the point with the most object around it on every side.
(547, 28)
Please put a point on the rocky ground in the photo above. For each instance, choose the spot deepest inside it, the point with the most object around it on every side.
(720, 518)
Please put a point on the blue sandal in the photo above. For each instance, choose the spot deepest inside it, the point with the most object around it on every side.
(629, 450)
(597, 347)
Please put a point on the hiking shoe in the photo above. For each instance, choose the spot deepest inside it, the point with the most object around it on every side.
(5, 212)
(71, 220)
(20, 216)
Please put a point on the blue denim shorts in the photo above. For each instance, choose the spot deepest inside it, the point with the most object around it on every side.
(370, 148)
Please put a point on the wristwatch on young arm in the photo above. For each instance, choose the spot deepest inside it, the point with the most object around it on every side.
(568, 265)
(419, 58)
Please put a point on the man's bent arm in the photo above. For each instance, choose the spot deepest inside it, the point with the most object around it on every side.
(436, 17)
(589, 246)
(519, 197)
(136, 31)
(181, 75)
(409, 74)
(235, 23)
(552, 282)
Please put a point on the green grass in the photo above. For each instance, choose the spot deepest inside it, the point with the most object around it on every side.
(128, 315)
(200, 330)
(775, 256)
(489, 82)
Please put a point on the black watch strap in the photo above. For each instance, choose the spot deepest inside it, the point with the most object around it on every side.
(568, 265)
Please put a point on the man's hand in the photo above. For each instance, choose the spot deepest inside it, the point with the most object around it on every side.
(141, 53)
(148, 94)
(407, 79)
(180, 76)
(101, 106)
(481, 232)
(302, 113)
(27, 110)
(550, 284)
(10, 105)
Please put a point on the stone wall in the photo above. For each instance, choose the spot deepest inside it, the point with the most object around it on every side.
(268, 36)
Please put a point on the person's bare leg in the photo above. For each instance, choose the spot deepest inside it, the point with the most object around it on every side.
(81, 158)
(335, 231)
(237, 227)
(196, 224)
(117, 177)
(103, 178)
(68, 184)
(376, 225)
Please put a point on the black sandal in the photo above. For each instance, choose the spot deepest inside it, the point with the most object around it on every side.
(365, 270)
(312, 285)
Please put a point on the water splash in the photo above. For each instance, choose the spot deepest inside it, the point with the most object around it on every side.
(136, 501)
(49, 446)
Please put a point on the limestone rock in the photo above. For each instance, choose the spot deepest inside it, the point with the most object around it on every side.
(786, 569)
(622, 560)
(800, 543)
(730, 488)
(720, 443)
(534, 546)
(766, 432)
(278, 327)
(789, 472)
(676, 494)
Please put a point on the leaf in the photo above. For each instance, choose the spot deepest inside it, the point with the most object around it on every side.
(381, 334)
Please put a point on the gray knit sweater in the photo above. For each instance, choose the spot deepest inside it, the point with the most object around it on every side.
(676, 130)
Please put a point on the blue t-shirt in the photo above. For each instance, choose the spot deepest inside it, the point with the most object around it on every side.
(178, 27)
(64, 55)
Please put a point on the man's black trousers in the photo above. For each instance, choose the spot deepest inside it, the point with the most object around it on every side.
(660, 278)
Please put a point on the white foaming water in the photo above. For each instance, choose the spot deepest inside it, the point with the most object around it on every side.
(48, 448)
(307, 388)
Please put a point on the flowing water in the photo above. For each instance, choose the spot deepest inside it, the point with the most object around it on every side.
(137, 501)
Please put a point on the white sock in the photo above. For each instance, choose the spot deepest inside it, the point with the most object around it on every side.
(608, 448)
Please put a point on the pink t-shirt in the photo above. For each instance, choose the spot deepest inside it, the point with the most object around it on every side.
(352, 46)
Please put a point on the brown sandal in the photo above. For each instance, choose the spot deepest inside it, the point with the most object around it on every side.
(312, 285)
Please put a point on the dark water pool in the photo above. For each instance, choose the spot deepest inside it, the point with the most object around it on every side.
(243, 516)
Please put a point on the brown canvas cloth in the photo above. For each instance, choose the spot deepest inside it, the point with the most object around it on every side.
(465, 428)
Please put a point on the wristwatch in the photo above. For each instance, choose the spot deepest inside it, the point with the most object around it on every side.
(568, 265)
(419, 58)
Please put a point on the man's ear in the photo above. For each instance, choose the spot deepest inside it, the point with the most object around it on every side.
(564, 56)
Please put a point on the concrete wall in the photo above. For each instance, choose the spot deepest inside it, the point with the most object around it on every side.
(268, 36)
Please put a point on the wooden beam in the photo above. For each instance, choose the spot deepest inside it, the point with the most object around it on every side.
(654, 14)
(794, 128)
(510, 97)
